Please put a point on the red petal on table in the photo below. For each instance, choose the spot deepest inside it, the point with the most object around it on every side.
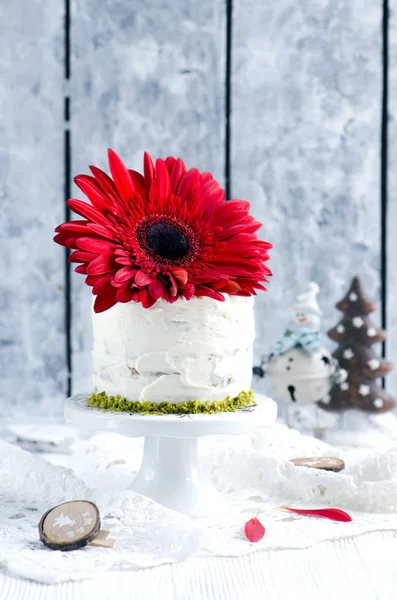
(254, 530)
(335, 514)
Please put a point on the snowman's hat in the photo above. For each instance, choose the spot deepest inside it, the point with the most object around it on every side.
(307, 301)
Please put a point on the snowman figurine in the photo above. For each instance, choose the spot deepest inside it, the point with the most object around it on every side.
(299, 369)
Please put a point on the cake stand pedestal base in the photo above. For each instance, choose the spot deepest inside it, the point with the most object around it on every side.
(170, 472)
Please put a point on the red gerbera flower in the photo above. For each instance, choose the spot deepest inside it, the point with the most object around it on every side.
(167, 234)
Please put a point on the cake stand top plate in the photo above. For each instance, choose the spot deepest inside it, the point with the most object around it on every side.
(84, 417)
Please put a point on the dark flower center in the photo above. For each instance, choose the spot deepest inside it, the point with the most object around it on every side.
(167, 241)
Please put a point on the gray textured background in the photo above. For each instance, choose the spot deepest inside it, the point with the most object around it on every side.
(305, 149)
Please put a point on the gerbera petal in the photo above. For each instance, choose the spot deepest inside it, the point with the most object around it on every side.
(101, 265)
(212, 191)
(189, 187)
(170, 285)
(63, 239)
(187, 291)
(104, 232)
(218, 286)
(121, 176)
(169, 162)
(227, 262)
(123, 260)
(86, 210)
(231, 231)
(231, 288)
(178, 171)
(124, 274)
(148, 168)
(234, 271)
(102, 283)
(239, 205)
(208, 276)
(80, 226)
(244, 240)
(135, 295)
(142, 279)
(259, 286)
(82, 269)
(180, 275)
(95, 245)
(138, 182)
(123, 295)
(202, 290)
(156, 289)
(205, 177)
(254, 227)
(160, 188)
(95, 196)
(225, 217)
(90, 280)
(104, 181)
(105, 301)
(78, 256)
(146, 299)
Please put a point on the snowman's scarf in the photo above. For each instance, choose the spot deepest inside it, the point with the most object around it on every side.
(308, 339)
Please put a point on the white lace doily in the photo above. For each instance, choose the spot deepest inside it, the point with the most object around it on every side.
(252, 471)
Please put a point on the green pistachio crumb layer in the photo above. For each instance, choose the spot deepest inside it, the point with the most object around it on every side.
(119, 404)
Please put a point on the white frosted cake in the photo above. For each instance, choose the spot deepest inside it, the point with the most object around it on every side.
(199, 349)
(173, 268)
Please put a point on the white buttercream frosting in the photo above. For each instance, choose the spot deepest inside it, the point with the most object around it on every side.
(199, 349)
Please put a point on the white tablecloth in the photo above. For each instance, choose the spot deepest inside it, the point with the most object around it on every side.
(363, 567)
(360, 568)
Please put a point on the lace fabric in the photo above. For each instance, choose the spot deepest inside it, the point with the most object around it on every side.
(252, 471)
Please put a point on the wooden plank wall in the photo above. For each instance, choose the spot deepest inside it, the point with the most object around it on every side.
(390, 253)
(281, 101)
(306, 115)
(33, 365)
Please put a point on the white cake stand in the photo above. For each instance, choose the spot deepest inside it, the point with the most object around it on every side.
(170, 471)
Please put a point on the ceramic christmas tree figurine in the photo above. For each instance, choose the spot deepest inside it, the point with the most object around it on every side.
(299, 369)
(356, 334)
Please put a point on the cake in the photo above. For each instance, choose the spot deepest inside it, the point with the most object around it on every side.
(174, 269)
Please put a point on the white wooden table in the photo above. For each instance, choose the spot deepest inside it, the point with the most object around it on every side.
(360, 568)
